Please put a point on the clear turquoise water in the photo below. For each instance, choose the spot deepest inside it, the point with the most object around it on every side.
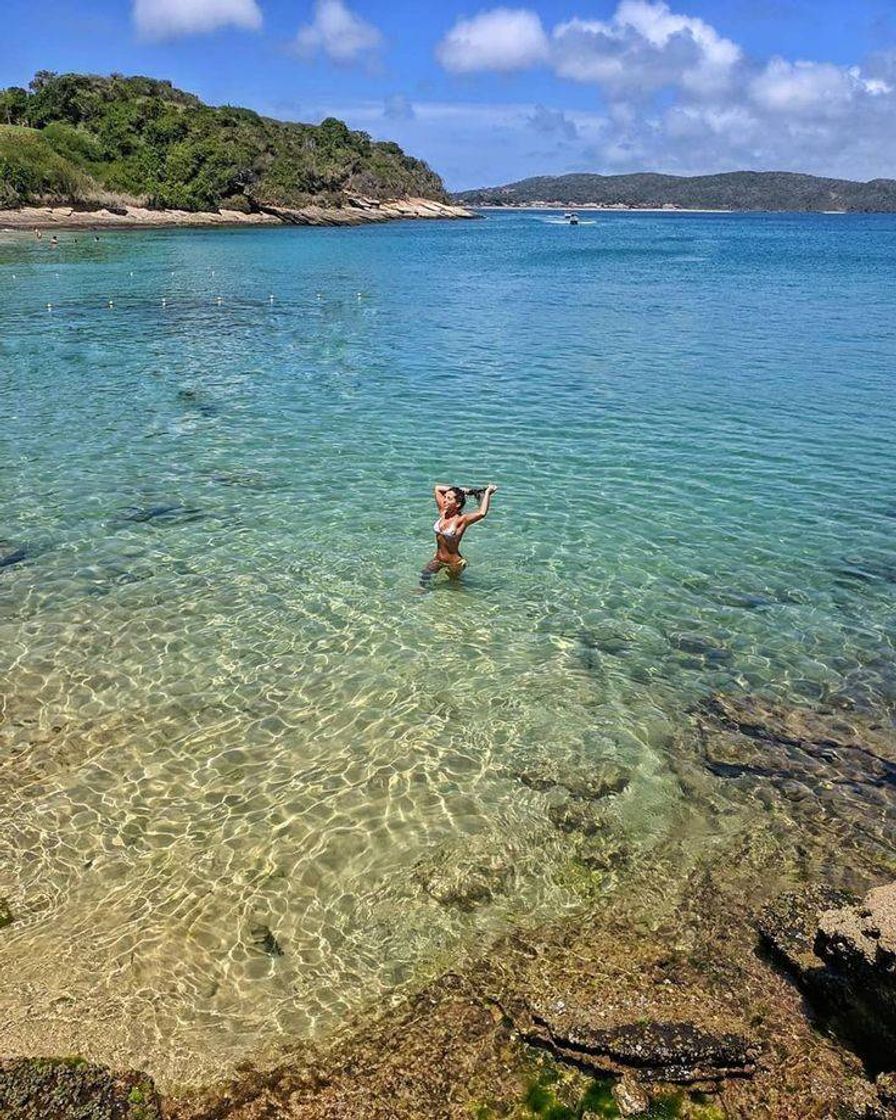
(225, 706)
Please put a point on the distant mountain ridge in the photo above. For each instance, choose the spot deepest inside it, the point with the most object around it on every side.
(88, 140)
(732, 190)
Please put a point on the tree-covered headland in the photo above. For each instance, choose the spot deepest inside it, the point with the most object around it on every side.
(88, 140)
(731, 190)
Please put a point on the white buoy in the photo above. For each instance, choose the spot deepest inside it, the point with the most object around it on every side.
(270, 297)
(111, 304)
(49, 307)
(164, 303)
(219, 301)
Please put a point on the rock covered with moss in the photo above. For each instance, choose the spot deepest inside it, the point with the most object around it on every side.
(72, 1089)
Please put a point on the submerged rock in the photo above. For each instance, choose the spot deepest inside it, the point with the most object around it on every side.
(6, 915)
(867, 569)
(699, 646)
(163, 514)
(836, 775)
(581, 781)
(868, 687)
(465, 874)
(16, 556)
(263, 938)
(744, 600)
(574, 815)
(593, 644)
(72, 1089)
(604, 852)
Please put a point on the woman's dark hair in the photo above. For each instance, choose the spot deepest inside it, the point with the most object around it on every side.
(459, 496)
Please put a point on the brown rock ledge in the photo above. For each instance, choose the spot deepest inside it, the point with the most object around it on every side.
(356, 212)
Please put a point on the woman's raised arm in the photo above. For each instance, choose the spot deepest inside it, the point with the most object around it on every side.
(470, 518)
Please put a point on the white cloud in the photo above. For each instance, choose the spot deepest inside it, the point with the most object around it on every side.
(338, 32)
(168, 19)
(645, 47)
(499, 39)
(679, 96)
(804, 87)
(660, 27)
(874, 86)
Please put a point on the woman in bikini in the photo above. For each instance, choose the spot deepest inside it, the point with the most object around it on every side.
(450, 526)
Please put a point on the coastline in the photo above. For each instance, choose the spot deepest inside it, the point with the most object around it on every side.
(596, 206)
(358, 211)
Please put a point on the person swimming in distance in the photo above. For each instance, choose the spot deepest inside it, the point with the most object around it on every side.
(450, 526)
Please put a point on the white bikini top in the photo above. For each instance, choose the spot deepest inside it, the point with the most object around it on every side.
(443, 532)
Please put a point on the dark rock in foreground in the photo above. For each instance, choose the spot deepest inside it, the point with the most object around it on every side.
(843, 956)
(657, 1050)
(789, 925)
(858, 945)
(70, 1089)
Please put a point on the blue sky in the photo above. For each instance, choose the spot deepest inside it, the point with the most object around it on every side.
(491, 93)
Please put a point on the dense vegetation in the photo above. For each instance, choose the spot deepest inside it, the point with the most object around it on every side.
(736, 190)
(81, 139)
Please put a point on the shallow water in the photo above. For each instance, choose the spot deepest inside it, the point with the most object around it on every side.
(225, 708)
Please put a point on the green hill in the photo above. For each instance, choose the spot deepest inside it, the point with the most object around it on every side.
(735, 190)
(82, 139)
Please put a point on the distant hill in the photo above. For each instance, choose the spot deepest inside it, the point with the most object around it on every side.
(83, 139)
(735, 190)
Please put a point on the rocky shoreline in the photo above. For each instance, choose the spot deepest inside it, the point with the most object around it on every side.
(729, 995)
(357, 211)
